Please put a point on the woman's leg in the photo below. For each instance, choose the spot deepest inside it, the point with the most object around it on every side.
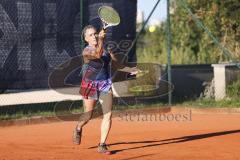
(86, 116)
(106, 102)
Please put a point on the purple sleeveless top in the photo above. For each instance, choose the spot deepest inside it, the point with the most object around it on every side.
(96, 77)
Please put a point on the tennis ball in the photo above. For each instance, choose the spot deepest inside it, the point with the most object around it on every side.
(152, 29)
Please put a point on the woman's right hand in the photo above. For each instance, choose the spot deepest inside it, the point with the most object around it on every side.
(102, 34)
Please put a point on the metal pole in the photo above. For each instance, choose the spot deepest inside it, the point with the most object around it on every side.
(81, 21)
(168, 27)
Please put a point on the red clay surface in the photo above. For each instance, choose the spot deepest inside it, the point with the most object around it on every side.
(204, 136)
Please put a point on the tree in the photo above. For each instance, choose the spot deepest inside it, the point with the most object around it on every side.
(190, 43)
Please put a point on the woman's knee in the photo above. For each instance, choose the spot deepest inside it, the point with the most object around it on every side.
(85, 117)
(107, 116)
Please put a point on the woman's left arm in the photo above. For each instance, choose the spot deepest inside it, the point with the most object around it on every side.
(122, 67)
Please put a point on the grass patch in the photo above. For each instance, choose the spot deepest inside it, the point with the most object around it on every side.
(226, 103)
(47, 110)
(21, 115)
(233, 90)
(139, 106)
(41, 109)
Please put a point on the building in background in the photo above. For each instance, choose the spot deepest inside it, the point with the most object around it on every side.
(139, 19)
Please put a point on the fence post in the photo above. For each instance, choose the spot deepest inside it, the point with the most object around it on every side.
(221, 80)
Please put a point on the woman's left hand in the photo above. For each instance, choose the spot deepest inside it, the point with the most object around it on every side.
(134, 71)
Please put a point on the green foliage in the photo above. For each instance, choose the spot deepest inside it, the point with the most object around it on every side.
(233, 90)
(190, 43)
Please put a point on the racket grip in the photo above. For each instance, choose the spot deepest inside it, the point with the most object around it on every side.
(104, 29)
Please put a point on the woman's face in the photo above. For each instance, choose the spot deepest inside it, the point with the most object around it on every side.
(91, 36)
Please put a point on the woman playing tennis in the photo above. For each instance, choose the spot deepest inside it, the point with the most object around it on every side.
(96, 84)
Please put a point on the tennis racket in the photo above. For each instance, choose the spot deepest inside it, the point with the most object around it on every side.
(108, 16)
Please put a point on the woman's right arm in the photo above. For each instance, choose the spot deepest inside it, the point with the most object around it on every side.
(89, 53)
(99, 48)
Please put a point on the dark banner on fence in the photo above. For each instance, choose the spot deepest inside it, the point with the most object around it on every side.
(38, 36)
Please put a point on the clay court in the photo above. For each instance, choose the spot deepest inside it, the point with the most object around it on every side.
(202, 134)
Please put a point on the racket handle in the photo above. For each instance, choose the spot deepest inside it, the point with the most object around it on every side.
(104, 29)
(104, 26)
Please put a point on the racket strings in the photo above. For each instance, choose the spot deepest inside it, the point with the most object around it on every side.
(109, 16)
